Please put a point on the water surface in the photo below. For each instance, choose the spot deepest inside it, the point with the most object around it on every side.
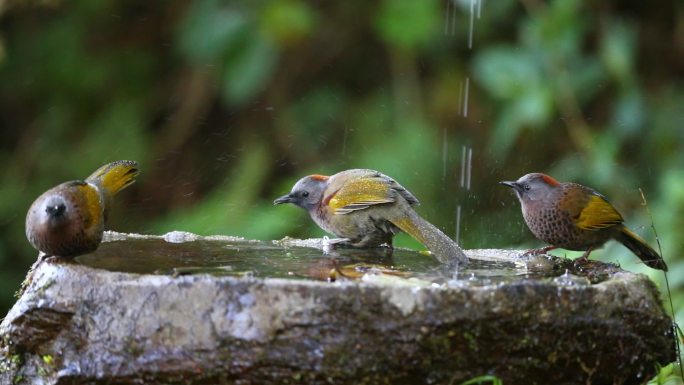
(182, 254)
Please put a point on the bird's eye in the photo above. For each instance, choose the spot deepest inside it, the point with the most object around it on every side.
(305, 194)
(526, 187)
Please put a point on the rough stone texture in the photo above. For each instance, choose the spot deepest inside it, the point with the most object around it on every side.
(79, 325)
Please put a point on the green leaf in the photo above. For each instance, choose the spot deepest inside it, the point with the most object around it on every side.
(556, 30)
(408, 24)
(210, 30)
(630, 111)
(248, 69)
(516, 77)
(617, 51)
(506, 71)
(287, 21)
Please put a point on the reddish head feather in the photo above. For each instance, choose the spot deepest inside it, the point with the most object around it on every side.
(549, 180)
(319, 177)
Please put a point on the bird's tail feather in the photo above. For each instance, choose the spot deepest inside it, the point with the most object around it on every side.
(115, 176)
(642, 250)
(442, 247)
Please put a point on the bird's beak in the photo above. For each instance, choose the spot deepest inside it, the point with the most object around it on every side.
(283, 199)
(514, 185)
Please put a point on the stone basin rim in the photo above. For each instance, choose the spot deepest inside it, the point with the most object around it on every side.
(285, 242)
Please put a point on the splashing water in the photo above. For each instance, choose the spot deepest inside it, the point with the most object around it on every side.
(445, 149)
(450, 19)
(465, 179)
(457, 238)
(465, 99)
(470, 29)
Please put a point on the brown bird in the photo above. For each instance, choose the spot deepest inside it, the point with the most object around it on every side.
(366, 208)
(575, 217)
(68, 220)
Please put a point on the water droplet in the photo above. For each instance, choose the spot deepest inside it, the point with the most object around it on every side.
(568, 279)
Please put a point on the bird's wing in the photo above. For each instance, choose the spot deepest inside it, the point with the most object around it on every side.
(598, 214)
(361, 193)
(90, 203)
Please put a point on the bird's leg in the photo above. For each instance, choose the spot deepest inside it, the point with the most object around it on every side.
(543, 250)
(388, 247)
(389, 250)
(335, 241)
(389, 243)
(585, 257)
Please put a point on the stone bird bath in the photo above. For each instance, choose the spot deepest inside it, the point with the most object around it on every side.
(151, 313)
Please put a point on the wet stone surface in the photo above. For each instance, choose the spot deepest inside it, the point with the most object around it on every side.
(186, 309)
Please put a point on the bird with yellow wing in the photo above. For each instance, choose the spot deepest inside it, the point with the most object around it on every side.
(366, 208)
(575, 217)
(68, 220)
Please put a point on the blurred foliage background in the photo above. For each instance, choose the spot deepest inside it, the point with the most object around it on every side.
(227, 104)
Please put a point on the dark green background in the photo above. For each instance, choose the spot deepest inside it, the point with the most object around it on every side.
(227, 104)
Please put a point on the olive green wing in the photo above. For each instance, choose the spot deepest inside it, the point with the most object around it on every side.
(360, 194)
(598, 214)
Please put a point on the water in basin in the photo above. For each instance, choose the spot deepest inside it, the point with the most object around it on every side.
(184, 253)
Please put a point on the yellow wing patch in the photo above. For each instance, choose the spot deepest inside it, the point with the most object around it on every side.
(598, 214)
(360, 194)
(93, 205)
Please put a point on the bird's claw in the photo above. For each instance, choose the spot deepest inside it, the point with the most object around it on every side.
(329, 243)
